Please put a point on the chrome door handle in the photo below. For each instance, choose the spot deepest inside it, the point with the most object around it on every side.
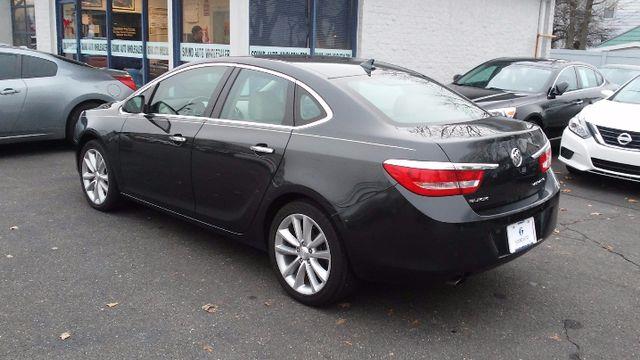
(9, 91)
(177, 138)
(578, 102)
(262, 149)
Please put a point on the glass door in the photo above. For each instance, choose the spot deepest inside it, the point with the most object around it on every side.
(93, 31)
(157, 38)
(69, 30)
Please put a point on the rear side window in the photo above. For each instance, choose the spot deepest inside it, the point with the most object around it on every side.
(599, 78)
(9, 66)
(568, 75)
(587, 77)
(187, 93)
(307, 107)
(33, 67)
(408, 99)
(258, 97)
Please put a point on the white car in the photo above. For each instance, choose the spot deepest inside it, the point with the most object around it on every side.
(604, 138)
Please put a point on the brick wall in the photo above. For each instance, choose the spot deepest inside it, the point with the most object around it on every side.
(441, 38)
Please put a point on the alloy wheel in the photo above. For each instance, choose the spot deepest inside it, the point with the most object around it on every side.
(302, 254)
(95, 178)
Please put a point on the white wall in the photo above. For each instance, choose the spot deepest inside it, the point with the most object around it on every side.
(45, 25)
(443, 38)
(6, 36)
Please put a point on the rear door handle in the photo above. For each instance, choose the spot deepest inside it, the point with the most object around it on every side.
(579, 102)
(262, 148)
(177, 138)
(9, 91)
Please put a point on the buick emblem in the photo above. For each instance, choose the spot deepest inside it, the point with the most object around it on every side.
(624, 139)
(516, 157)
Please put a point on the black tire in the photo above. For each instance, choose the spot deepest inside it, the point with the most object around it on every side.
(113, 197)
(340, 280)
(75, 115)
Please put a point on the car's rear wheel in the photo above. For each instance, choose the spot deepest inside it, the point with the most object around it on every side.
(98, 183)
(307, 255)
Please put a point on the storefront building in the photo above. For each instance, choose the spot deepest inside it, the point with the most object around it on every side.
(149, 37)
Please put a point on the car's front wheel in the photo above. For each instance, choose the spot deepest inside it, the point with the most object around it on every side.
(307, 255)
(98, 183)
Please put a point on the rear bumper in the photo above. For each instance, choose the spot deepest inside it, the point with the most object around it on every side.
(389, 239)
(588, 155)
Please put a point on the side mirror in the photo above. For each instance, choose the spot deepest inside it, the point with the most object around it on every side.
(135, 105)
(456, 77)
(558, 90)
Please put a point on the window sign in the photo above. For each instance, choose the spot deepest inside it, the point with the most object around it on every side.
(158, 50)
(334, 52)
(92, 46)
(69, 46)
(194, 52)
(126, 48)
(278, 50)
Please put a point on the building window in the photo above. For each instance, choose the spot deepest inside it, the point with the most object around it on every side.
(69, 30)
(24, 23)
(158, 38)
(609, 11)
(205, 29)
(93, 33)
(287, 27)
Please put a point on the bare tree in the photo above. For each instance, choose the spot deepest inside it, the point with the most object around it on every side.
(581, 23)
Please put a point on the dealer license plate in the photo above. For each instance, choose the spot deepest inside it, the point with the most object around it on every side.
(521, 234)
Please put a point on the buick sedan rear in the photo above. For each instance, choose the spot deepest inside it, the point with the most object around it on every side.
(341, 170)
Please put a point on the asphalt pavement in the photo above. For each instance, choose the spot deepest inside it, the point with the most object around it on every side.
(132, 284)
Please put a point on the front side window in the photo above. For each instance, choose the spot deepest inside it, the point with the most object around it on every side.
(33, 67)
(257, 97)
(9, 66)
(568, 75)
(187, 93)
(406, 99)
(509, 76)
(630, 93)
(587, 77)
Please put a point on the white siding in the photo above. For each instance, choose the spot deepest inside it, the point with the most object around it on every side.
(45, 25)
(626, 17)
(6, 36)
(442, 38)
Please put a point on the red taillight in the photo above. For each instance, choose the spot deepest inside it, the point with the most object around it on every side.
(545, 160)
(127, 80)
(434, 179)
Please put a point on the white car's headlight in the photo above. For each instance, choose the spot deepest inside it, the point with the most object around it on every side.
(578, 125)
(509, 112)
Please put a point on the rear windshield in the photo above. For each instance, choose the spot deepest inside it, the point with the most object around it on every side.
(514, 77)
(409, 99)
(630, 93)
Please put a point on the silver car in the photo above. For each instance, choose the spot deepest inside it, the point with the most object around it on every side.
(42, 95)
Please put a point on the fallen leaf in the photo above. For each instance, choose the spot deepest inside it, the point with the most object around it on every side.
(344, 305)
(609, 247)
(348, 343)
(208, 348)
(210, 308)
(65, 335)
(341, 321)
(563, 209)
(566, 191)
(268, 302)
(556, 231)
(596, 213)
(9, 256)
(113, 304)
(555, 337)
(13, 228)
(633, 201)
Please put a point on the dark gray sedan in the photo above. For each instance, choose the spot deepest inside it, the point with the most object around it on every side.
(42, 95)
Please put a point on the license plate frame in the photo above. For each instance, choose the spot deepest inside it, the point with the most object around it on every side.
(521, 235)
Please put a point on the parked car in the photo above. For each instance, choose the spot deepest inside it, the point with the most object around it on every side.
(339, 169)
(42, 95)
(605, 137)
(619, 74)
(545, 92)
